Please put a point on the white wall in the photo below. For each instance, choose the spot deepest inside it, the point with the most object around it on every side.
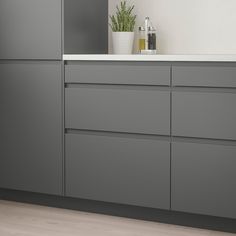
(189, 26)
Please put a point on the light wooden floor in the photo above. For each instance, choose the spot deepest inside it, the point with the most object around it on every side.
(17, 219)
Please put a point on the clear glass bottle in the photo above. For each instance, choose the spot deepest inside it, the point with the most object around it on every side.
(147, 24)
(152, 38)
(142, 39)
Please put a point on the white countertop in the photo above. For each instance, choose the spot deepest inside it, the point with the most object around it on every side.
(171, 58)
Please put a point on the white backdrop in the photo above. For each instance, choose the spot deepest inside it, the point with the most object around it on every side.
(189, 26)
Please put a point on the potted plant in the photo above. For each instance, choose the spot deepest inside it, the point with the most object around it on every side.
(122, 25)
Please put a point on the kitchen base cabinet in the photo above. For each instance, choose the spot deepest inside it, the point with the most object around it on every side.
(118, 169)
(31, 126)
(203, 179)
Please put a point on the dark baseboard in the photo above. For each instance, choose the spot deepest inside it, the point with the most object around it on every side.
(142, 213)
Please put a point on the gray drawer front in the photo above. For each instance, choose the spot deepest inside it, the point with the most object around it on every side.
(205, 75)
(118, 73)
(123, 170)
(204, 115)
(118, 109)
(203, 179)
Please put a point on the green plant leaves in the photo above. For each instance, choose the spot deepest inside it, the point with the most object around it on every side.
(123, 20)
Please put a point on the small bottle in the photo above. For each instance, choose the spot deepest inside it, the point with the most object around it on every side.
(142, 39)
(152, 39)
(146, 26)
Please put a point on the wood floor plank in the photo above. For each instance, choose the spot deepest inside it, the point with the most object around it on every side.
(18, 219)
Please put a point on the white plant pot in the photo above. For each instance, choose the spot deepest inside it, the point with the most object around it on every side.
(123, 42)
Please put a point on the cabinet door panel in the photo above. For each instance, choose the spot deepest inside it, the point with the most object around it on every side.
(204, 115)
(85, 27)
(31, 127)
(125, 170)
(30, 29)
(203, 179)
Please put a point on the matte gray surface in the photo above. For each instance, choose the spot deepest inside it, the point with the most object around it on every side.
(118, 109)
(118, 73)
(118, 169)
(31, 127)
(30, 29)
(86, 26)
(204, 115)
(205, 75)
(203, 179)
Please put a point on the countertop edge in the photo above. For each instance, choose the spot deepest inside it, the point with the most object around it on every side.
(162, 58)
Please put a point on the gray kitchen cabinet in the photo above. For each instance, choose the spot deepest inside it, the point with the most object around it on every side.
(118, 109)
(31, 126)
(203, 179)
(133, 73)
(119, 169)
(204, 114)
(30, 29)
(204, 75)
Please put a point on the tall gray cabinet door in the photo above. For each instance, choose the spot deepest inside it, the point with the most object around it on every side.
(31, 127)
(120, 169)
(30, 29)
(203, 179)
